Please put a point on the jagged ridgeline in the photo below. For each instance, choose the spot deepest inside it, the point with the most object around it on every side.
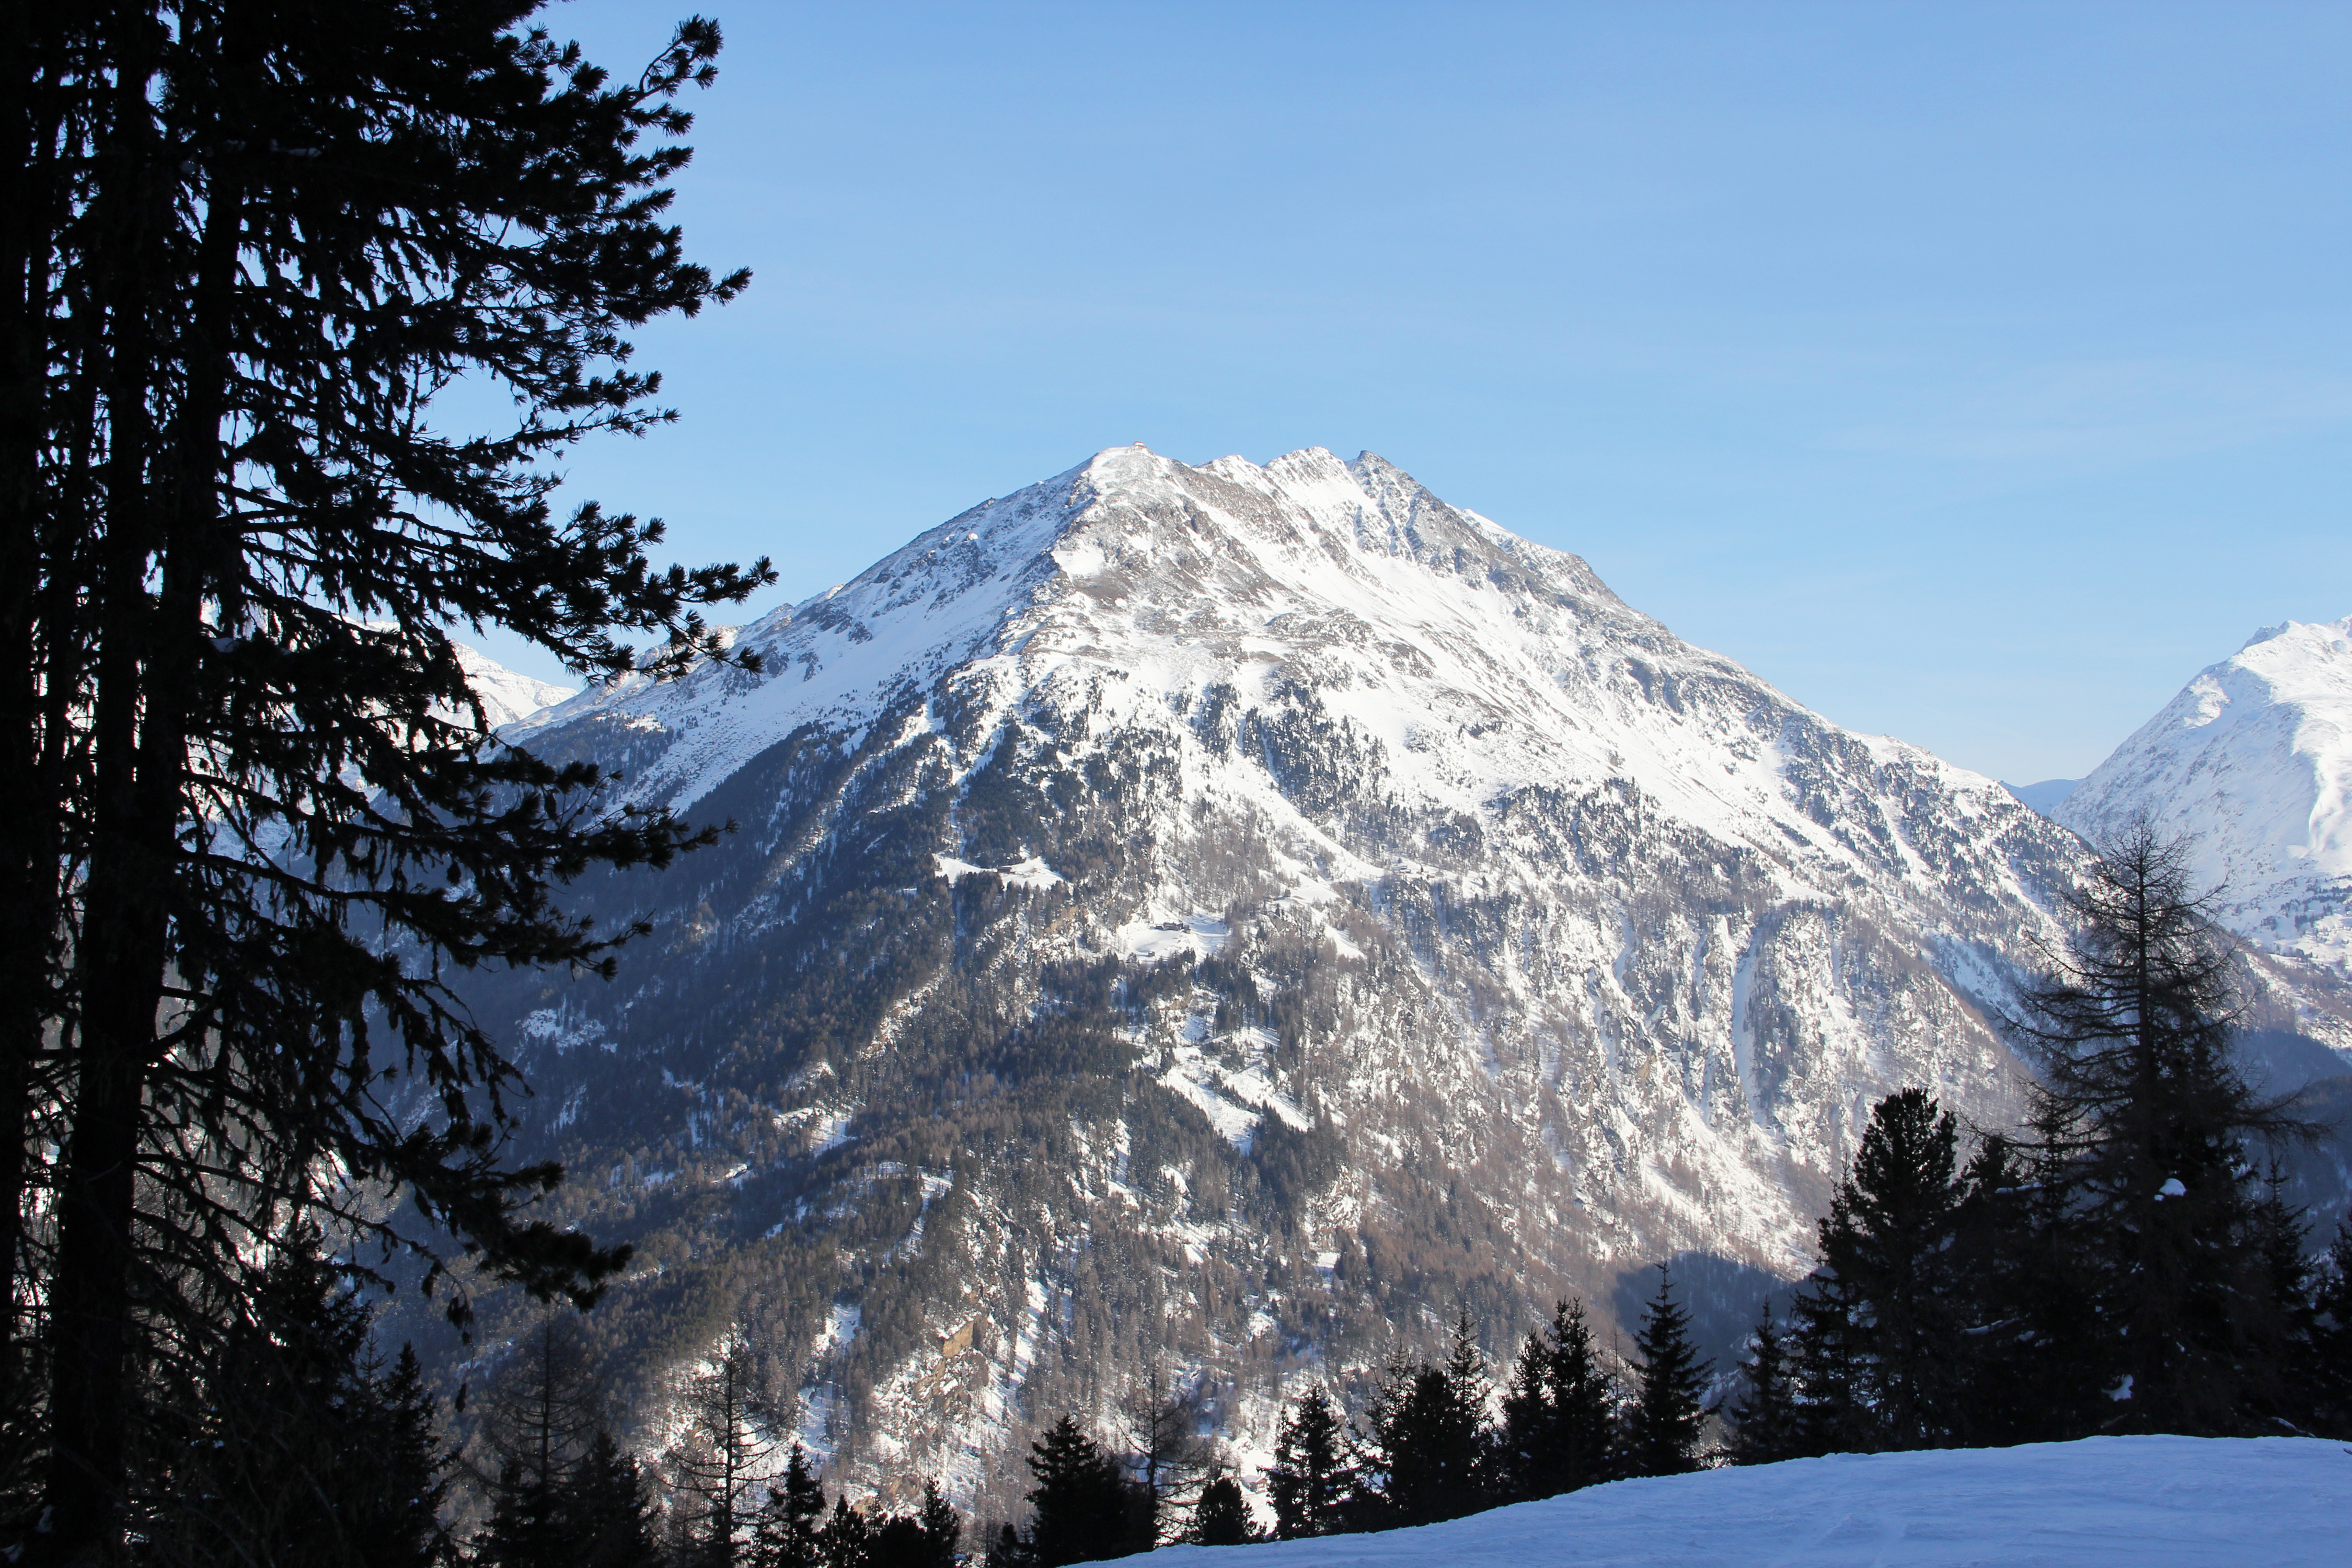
(1226, 916)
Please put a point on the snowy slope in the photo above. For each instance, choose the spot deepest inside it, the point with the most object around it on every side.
(2255, 757)
(507, 695)
(1221, 917)
(2132, 1502)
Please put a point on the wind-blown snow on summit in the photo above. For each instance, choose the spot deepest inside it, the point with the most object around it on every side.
(1219, 917)
(2254, 758)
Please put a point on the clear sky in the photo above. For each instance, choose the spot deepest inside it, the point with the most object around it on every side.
(1976, 373)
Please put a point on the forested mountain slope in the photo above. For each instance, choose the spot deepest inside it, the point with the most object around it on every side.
(1229, 915)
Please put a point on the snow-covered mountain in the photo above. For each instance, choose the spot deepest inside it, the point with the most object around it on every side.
(1222, 917)
(2255, 757)
(507, 695)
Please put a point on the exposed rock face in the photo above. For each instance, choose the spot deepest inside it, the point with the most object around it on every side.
(1229, 915)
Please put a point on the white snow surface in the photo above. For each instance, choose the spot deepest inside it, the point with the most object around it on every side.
(2254, 758)
(508, 696)
(2132, 1502)
(1167, 578)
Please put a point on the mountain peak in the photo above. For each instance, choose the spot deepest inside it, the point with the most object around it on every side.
(2252, 758)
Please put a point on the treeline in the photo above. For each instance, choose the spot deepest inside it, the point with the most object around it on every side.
(2124, 1262)
(1429, 1447)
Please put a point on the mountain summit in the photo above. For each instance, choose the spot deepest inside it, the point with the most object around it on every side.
(2255, 757)
(1219, 919)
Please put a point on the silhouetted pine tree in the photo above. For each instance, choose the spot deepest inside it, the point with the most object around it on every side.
(1310, 1479)
(2032, 1352)
(256, 819)
(1223, 1516)
(1763, 1421)
(609, 1509)
(784, 1534)
(942, 1529)
(1559, 1414)
(2283, 1377)
(1084, 1509)
(718, 1456)
(1168, 1456)
(842, 1542)
(540, 1415)
(305, 1448)
(1879, 1320)
(1666, 1415)
(1428, 1453)
(1008, 1550)
(2143, 1122)
(2331, 1335)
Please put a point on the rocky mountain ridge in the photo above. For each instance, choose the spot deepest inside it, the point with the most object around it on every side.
(1221, 917)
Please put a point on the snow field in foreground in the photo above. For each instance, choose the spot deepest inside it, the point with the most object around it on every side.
(2149, 1502)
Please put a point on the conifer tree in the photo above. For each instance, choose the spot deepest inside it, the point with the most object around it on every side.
(2031, 1356)
(1559, 1414)
(1221, 1517)
(2143, 1122)
(257, 823)
(1881, 1315)
(610, 1512)
(1763, 1421)
(842, 1541)
(1168, 1456)
(2331, 1335)
(784, 1535)
(942, 1529)
(720, 1453)
(1428, 1455)
(1664, 1422)
(1084, 1510)
(1009, 1549)
(540, 1418)
(303, 1446)
(1309, 1480)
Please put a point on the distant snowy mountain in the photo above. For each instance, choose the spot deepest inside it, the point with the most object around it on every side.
(505, 695)
(2046, 797)
(2107, 1502)
(1221, 917)
(2255, 757)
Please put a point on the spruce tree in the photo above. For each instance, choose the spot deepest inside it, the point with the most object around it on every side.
(1880, 1317)
(2331, 1336)
(609, 1511)
(1309, 1480)
(1667, 1414)
(1559, 1414)
(1763, 1421)
(843, 1540)
(2031, 1357)
(2144, 1124)
(1221, 1517)
(539, 1420)
(942, 1529)
(784, 1534)
(1084, 1509)
(257, 825)
(1429, 1450)
(301, 1445)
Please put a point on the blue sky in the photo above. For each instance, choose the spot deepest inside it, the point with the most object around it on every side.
(1974, 373)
